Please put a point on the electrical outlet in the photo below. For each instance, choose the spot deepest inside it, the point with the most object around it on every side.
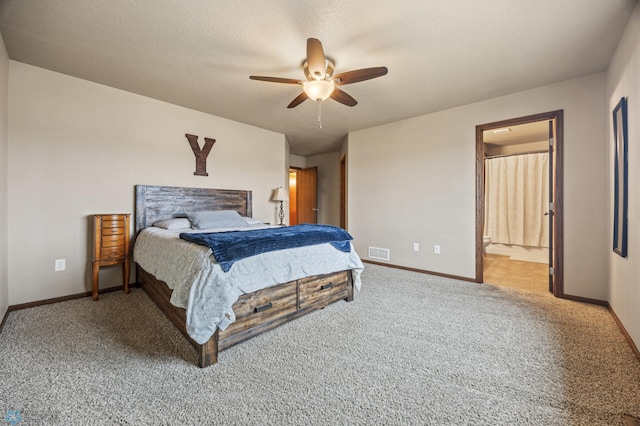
(416, 247)
(60, 265)
(436, 249)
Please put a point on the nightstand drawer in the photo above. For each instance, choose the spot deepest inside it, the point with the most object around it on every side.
(319, 293)
(112, 252)
(112, 220)
(262, 306)
(113, 231)
(113, 240)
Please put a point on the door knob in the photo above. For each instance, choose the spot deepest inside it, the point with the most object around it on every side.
(314, 209)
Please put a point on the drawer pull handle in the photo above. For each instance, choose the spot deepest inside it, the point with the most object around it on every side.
(326, 287)
(262, 308)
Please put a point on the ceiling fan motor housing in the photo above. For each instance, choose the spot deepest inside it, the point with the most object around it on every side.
(311, 77)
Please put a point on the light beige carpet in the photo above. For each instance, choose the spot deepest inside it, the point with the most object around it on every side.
(412, 349)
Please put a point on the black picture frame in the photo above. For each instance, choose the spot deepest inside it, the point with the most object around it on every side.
(620, 201)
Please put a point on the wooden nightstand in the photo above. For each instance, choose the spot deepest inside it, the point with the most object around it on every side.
(110, 246)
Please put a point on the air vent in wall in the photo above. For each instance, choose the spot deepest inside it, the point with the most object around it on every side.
(378, 253)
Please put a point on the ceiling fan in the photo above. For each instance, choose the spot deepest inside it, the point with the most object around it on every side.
(321, 83)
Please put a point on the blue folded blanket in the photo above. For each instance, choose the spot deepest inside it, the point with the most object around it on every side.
(229, 247)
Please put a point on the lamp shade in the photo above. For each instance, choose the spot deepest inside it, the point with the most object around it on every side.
(280, 194)
(318, 90)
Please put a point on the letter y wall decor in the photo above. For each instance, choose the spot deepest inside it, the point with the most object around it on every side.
(201, 154)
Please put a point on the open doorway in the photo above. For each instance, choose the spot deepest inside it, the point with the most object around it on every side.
(303, 195)
(519, 202)
(293, 196)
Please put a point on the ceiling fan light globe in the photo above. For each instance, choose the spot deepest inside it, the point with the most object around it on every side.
(318, 90)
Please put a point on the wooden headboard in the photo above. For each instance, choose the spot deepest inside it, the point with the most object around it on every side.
(154, 203)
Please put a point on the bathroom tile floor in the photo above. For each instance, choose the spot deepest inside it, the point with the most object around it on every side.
(501, 270)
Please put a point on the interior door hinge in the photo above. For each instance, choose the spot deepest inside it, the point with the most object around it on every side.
(551, 270)
(551, 142)
(551, 206)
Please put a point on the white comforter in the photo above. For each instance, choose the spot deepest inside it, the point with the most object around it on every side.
(207, 293)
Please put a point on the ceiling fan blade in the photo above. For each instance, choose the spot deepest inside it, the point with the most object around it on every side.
(298, 100)
(360, 75)
(275, 79)
(315, 59)
(343, 97)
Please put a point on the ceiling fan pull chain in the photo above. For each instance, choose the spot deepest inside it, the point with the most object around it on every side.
(319, 113)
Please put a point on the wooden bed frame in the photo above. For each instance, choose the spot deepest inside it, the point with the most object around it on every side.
(255, 312)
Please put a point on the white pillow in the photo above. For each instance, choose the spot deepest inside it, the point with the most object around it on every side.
(216, 219)
(252, 221)
(178, 223)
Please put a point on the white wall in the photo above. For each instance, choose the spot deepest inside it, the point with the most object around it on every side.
(297, 161)
(328, 186)
(77, 148)
(4, 110)
(623, 80)
(414, 181)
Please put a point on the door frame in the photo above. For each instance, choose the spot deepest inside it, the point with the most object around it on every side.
(558, 187)
(343, 191)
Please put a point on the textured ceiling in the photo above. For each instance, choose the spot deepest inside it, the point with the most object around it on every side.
(200, 53)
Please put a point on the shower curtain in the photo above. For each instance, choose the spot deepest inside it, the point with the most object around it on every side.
(516, 198)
